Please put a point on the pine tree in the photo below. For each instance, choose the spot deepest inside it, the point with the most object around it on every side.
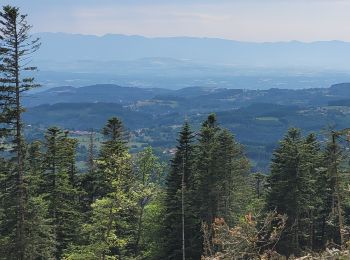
(88, 180)
(292, 184)
(114, 144)
(312, 171)
(205, 170)
(16, 47)
(222, 174)
(62, 195)
(106, 234)
(181, 166)
(229, 190)
(39, 231)
(110, 232)
(332, 197)
(7, 212)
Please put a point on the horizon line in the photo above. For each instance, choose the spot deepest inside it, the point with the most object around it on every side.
(192, 37)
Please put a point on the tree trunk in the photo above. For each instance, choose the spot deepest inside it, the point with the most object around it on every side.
(19, 154)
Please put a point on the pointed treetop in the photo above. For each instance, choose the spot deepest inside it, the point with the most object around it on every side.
(211, 121)
(114, 129)
(293, 133)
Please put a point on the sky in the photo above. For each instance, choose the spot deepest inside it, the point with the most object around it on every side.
(244, 20)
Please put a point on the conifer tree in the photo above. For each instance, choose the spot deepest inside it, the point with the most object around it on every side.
(292, 189)
(88, 180)
(181, 165)
(62, 196)
(205, 170)
(114, 144)
(7, 212)
(229, 189)
(16, 46)
(107, 234)
(333, 196)
(311, 167)
(40, 239)
(221, 173)
(110, 232)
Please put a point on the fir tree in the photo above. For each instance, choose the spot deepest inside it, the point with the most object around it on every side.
(39, 231)
(222, 174)
(292, 189)
(62, 196)
(88, 180)
(110, 232)
(229, 190)
(114, 144)
(311, 166)
(332, 213)
(106, 234)
(181, 166)
(16, 46)
(205, 170)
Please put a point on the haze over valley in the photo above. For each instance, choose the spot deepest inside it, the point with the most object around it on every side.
(178, 62)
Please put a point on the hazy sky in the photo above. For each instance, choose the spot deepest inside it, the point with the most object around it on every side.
(247, 20)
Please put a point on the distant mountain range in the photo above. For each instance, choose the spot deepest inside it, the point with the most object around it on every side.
(177, 62)
(62, 47)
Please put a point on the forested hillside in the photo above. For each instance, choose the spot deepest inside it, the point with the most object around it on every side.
(258, 118)
(108, 194)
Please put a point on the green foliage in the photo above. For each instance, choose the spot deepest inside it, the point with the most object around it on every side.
(110, 231)
(16, 48)
(300, 187)
(59, 187)
(153, 220)
(181, 167)
(217, 185)
(149, 174)
(222, 175)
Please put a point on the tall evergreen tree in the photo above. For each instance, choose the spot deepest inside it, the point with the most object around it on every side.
(88, 180)
(221, 173)
(40, 238)
(311, 166)
(205, 170)
(111, 230)
(16, 46)
(333, 196)
(292, 189)
(229, 189)
(62, 195)
(108, 235)
(114, 144)
(181, 166)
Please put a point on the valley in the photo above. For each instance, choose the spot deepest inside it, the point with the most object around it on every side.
(153, 116)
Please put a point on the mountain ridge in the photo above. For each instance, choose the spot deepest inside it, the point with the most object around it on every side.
(320, 54)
